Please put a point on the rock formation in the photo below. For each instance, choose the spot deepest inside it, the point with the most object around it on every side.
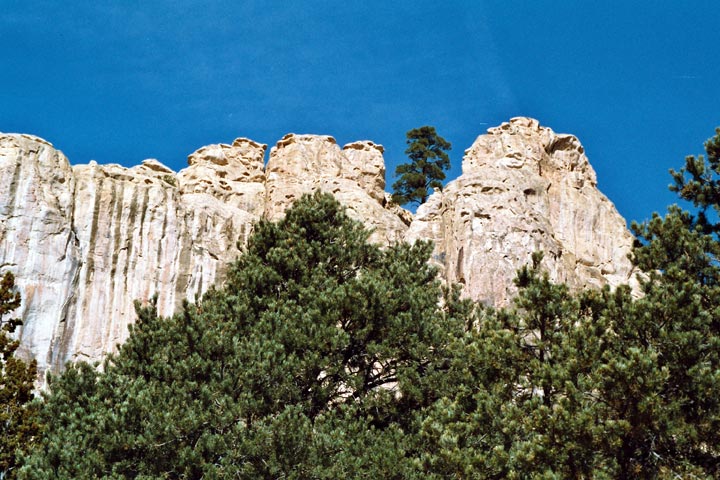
(355, 175)
(524, 188)
(86, 241)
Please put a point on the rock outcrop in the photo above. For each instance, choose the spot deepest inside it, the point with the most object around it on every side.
(86, 241)
(355, 175)
(37, 238)
(524, 188)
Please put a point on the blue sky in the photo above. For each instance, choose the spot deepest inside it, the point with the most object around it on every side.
(119, 82)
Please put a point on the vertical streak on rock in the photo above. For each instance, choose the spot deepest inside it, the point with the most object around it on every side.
(143, 210)
(90, 254)
(134, 227)
(444, 230)
(183, 264)
(199, 290)
(12, 192)
(459, 274)
(159, 262)
(116, 211)
(56, 356)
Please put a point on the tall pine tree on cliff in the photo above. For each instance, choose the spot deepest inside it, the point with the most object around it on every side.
(428, 162)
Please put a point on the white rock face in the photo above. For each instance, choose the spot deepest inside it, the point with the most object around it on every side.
(231, 175)
(524, 188)
(86, 241)
(355, 175)
(37, 240)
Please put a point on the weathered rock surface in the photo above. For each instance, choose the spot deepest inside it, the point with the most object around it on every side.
(37, 239)
(86, 241)
(355, 175)
(524, 188)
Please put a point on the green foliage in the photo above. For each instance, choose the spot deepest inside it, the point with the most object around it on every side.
(170, 179)
(594, 385)
(698, 182)
(681, 311)
(428, 160)
(18, 415)
(524, 410)
(306, 364)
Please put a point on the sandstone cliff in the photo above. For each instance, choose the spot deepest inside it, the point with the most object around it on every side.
(524, 188)
(86, 241)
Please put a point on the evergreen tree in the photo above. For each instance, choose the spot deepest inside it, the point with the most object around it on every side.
(18, 416)
(698, 182)
(428, 161)
(307, 363)
(525, 410)
(682, 307)
(596, 384)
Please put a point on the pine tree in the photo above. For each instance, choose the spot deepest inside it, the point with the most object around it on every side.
(308, 363)
(596, 384)
(682, 304)
(18, 415)
(524, 410)
(428, 161)
(698, 182)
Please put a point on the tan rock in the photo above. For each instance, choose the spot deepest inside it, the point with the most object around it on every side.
(231, 174)
(299, 164)
(364, 164)
(85, 242)
(355, 175)
(523, 189)
(227, 182)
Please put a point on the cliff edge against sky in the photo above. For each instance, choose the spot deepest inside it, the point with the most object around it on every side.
(86, 241)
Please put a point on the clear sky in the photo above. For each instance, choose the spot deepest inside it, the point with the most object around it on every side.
(120, 81)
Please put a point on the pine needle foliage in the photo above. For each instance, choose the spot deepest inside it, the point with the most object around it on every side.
(18, 414)
(307, 363)
(428, 162)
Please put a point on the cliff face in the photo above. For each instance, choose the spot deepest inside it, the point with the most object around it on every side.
(524, 188)
(86, 241)
(355, 175)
